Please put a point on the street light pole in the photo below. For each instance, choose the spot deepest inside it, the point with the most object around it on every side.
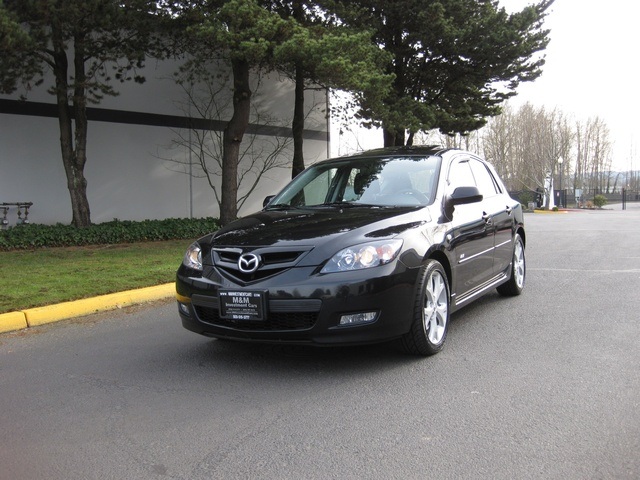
(560, 161)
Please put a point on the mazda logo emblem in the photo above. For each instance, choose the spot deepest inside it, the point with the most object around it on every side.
(248, 263)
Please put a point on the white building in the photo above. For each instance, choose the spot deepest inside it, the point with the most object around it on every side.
(135, 169)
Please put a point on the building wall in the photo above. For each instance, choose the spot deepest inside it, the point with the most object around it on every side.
(134, 169)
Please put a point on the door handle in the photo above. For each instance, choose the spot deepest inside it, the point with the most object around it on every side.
(509, 210)
(487, 218)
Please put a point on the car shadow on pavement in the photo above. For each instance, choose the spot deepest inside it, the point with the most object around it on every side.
(269, 358)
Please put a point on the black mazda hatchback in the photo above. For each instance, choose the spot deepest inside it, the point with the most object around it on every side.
(381, 245)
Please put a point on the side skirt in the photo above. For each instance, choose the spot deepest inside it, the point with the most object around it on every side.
(461, 300)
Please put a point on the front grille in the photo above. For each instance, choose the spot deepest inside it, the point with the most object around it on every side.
(236, 275)
(268, 257)
(275, 321)
(273, 260)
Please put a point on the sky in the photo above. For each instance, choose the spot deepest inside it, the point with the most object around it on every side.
(591, 70)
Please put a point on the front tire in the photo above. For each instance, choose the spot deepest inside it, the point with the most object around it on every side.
(431, 312)
(515, 285)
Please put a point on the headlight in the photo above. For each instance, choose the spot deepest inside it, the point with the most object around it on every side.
(366, 255)
(193, 257)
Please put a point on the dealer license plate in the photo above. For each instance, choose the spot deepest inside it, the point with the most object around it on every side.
(243, 304)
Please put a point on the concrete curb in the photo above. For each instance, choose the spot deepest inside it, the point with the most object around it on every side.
(32, 317)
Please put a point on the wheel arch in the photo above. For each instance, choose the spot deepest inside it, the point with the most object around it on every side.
(442, 258)
(520, 231)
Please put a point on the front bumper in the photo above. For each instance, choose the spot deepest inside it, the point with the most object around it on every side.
(303, 308)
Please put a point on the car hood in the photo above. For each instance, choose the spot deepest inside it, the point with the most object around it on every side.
(318, 226)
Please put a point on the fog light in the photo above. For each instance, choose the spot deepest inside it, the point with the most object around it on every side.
(358, 318)
(184, 309)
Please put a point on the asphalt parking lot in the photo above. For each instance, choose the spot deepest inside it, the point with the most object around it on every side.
(545, 385)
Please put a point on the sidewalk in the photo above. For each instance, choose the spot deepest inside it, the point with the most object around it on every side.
(42, 315)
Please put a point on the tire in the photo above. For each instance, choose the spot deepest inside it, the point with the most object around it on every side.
(515, 284)
(431, 312)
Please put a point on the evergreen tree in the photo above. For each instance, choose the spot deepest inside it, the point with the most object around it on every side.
(244, 34)
(86, 45)
(322, 53)
(455, 61)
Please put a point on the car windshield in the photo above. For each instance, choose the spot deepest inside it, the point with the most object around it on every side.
(379, 181)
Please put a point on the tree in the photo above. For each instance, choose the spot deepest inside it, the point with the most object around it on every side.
(86, 45)
(498, 142)
(322, 53)
(455, 61)
(525, 146)
(209, 99)
(594, 154)
(244, 34)
(13, 41)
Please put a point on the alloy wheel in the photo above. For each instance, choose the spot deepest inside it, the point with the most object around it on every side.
(518, 264)
(435, 312)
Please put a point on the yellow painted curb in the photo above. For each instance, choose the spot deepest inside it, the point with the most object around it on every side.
(76, 308)
(53, 313)
(12, 321)
(550, 211)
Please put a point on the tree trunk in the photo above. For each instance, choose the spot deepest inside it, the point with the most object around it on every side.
(74, 159)
(393, 138)
(298, 125)
(232, 138)
(410, 140)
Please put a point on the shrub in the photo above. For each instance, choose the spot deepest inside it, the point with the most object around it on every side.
(117, 231)
(599, 201)
(526, 197)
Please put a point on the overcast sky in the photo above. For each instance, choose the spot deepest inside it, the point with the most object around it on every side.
(591, 70)
(592, 67)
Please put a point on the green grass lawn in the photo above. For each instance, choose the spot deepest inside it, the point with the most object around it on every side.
(51, 275)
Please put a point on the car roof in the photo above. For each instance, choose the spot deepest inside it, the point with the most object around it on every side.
(415, 150)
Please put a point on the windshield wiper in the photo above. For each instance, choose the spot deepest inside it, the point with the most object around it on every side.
(341, 204)
(281, 206)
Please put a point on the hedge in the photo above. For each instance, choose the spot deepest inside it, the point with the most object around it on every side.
(34, 235)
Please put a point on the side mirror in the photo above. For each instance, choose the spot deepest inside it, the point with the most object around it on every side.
(464, 195)
(266, 200)
(460, 196)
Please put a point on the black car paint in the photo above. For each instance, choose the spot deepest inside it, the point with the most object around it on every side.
(292, 226)
(461, 243)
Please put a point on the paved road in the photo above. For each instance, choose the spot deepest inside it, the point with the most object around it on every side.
(546, 385)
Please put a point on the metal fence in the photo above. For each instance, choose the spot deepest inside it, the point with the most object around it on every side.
(568, 199)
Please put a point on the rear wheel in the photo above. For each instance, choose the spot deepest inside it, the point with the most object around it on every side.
(431, 312)
(515, 285)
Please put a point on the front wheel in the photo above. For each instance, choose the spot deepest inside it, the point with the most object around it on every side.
(515, 285)
(431, 312)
